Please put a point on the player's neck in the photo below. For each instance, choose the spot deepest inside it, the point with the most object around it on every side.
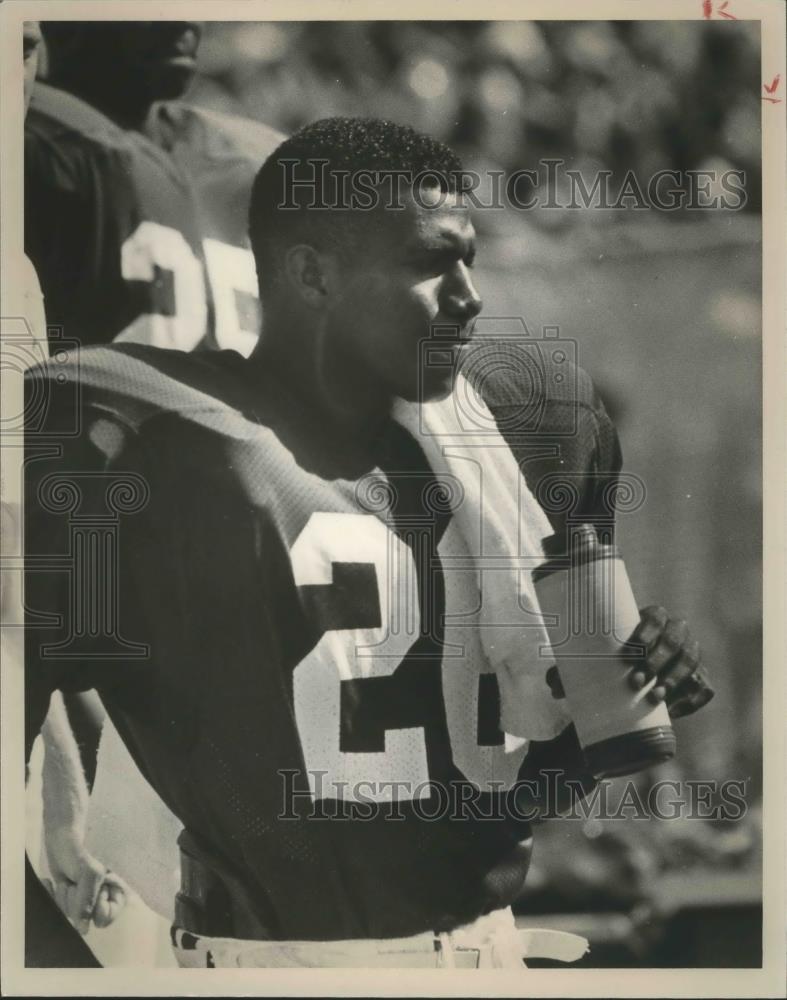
(329, 385)
(121, 105)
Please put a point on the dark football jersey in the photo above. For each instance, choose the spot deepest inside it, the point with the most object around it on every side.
(142, 237)
(272, 643)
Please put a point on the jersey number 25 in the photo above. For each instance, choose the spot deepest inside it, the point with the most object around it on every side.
(178, 313)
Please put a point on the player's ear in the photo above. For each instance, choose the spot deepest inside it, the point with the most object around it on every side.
(308, 275)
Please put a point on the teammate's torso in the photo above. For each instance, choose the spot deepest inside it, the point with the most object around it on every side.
(143, 237)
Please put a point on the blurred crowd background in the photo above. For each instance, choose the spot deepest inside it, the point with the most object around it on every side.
(645, 95)
(663, 309)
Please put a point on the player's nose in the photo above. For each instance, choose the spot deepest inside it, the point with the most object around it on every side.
(462, 301)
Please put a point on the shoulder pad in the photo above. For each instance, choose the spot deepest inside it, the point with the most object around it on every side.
(511, 373)
(135, 382)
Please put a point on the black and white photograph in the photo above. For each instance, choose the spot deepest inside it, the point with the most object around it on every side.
(390, 540)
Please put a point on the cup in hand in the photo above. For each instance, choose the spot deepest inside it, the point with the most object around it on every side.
(590, 612)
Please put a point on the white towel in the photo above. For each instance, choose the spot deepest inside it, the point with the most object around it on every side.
(503, 527)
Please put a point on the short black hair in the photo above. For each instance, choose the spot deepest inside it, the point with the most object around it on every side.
(294, 195)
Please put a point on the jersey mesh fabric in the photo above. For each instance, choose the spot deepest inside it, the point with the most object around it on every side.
(220, 576)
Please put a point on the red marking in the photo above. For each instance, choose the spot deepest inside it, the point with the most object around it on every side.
(722, 10)
(774, 85)
(707, 9)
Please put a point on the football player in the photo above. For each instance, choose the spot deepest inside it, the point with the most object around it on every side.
(135, 202)
(286, 668)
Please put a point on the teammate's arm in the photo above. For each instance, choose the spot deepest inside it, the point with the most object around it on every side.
(83, 888)
(56, 462)
(57, 216)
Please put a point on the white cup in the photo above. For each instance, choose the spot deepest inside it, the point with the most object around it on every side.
(590, 612)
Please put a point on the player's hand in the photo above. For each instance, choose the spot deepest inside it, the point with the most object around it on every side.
(82, 887)
(671, 663)
(111, 899)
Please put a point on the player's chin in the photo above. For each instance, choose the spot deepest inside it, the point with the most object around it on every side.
(435, 386)
(437, 380)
